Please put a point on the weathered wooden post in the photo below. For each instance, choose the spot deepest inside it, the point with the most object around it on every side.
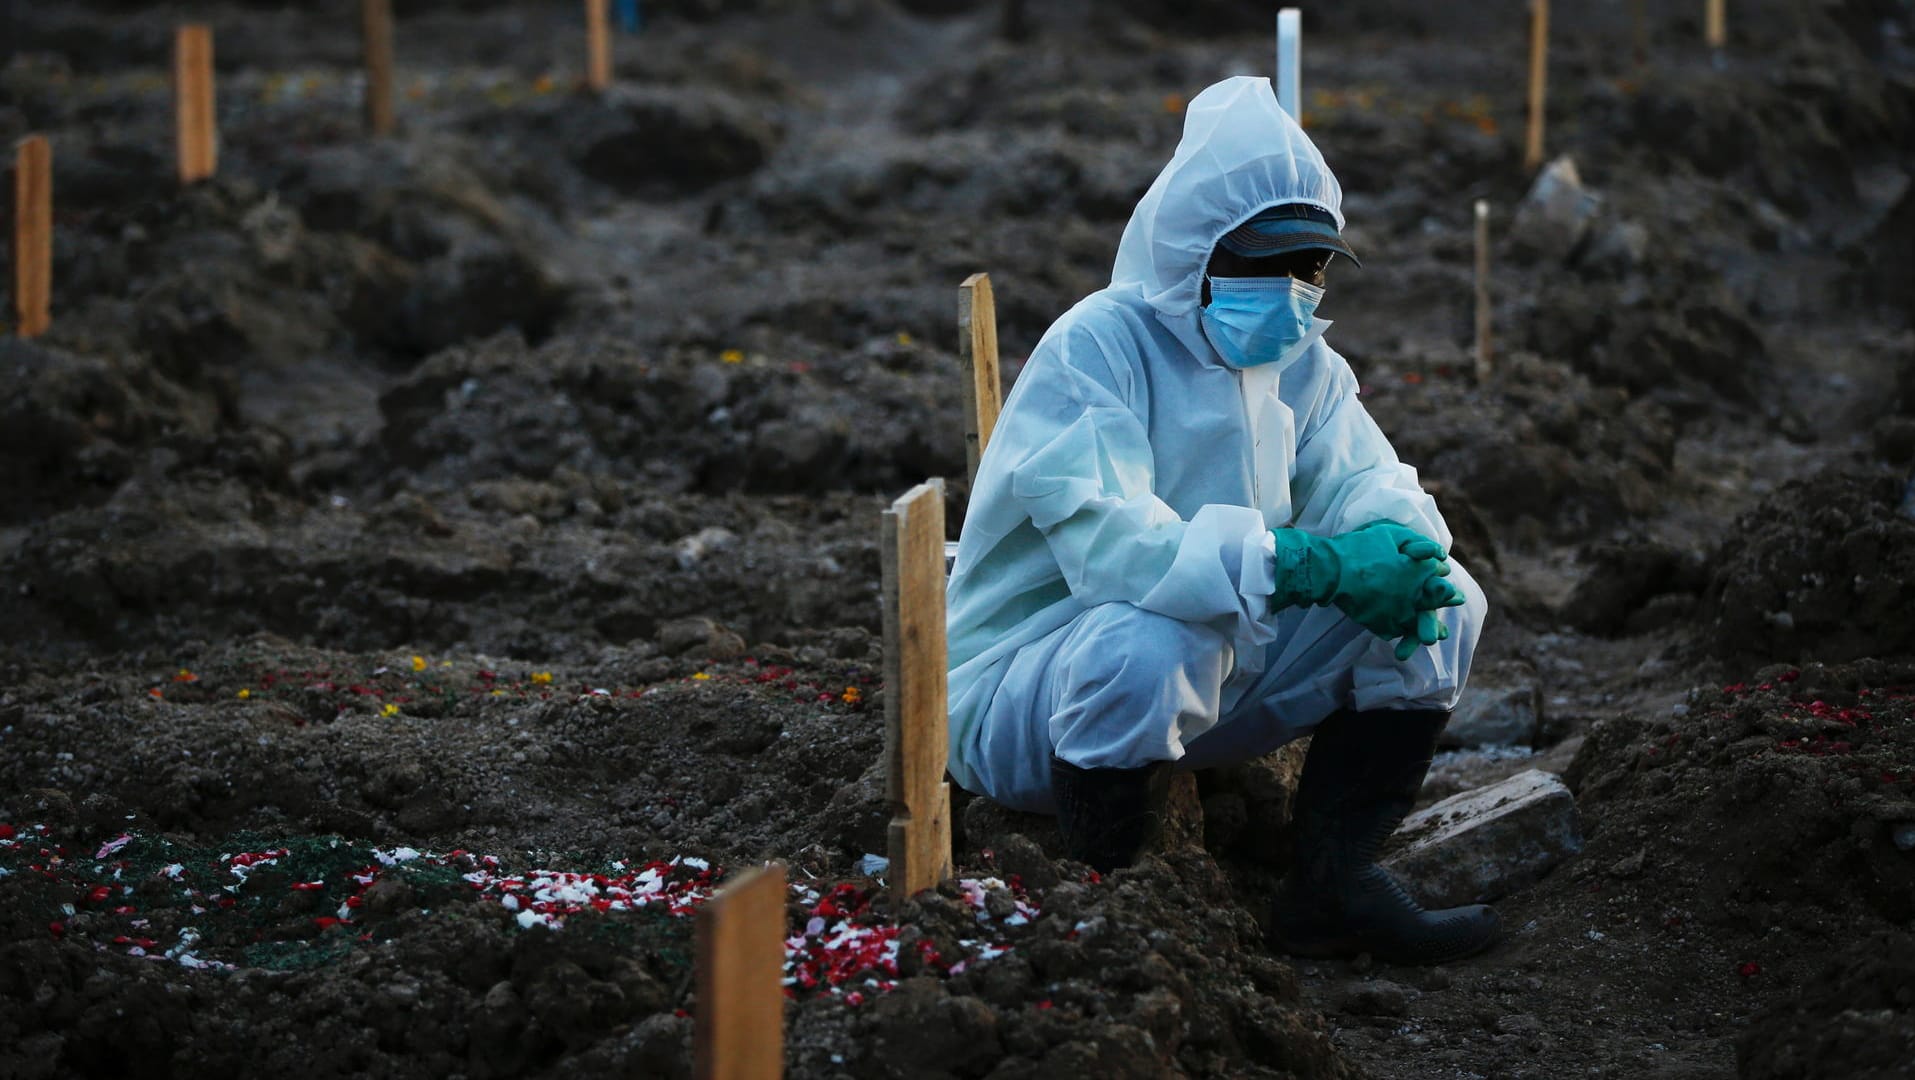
(1538, 81)
(914, 691)
(1715, 24)
(1639, 30)
(739, 1033)
(1482, 291)
(598, 45)
(375, 21)
(977, 348)
(194, 130)
(1290, 62)
(33, 235)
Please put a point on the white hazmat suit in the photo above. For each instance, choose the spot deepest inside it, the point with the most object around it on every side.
(1110, 602)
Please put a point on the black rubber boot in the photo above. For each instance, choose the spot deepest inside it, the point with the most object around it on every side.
(1108, 816)
(1360, 779)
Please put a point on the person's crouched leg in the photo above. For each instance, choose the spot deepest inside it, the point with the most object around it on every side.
(1125, 689)
(1085, 720)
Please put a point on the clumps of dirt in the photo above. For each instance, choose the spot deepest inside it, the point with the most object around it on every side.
(551, 568)
(1855, 1018)
(1154, 970)
(628, 754)
(1634, 586)
(76, 427)
(1771, 803)
(1542, 451)
(1684, 340)
(657, 140)
(878, 419)
(386, 248)
(1823, 569)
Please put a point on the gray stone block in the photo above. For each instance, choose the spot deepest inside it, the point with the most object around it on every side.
(1488, 842)
(1495, 716)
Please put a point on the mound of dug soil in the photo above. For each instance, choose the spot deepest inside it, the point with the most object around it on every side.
(1768, 804)
(878, 419)
(1824, 569)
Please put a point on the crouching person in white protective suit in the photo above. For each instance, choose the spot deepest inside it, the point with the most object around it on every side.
(1188, 544)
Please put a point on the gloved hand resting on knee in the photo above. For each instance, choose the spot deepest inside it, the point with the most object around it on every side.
(1387, 578)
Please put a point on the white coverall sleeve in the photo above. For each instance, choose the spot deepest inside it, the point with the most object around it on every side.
(1082, 470)
(1347, 473)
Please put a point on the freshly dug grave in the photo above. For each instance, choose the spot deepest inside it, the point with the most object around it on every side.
(178, 847)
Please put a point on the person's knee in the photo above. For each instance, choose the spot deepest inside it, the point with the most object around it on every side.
(1122, 645)
(1132, 685)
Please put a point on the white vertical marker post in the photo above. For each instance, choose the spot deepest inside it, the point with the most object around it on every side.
(1482, 291)
(1290, 62)
(1538, 82)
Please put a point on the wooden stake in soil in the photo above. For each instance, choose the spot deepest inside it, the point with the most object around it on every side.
(977, 347)
(914, 690)
(1639, 29)
(739, 1033)
(1538, 81)
(598, 44)
(1290, 62)
(1482, 291)
(1715, 24)
(375, 20)
(193, 118)
(33, 235)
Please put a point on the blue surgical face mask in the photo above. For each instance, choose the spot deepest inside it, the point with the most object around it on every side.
(1259, 320)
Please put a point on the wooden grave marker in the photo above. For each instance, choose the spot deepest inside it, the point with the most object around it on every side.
(1290, 62)
(977, 348)
(1538, 82)
(1482, 291)
(598, 45)
(194, 123)
(914, 691)
(739, 1032)
(33, 235)
(375, 21)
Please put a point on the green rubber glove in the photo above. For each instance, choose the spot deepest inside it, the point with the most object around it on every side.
(1387, 578)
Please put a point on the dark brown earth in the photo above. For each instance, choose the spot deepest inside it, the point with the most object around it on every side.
(509, 488)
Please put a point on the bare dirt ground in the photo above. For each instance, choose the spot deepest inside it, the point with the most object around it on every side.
(432, 563)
